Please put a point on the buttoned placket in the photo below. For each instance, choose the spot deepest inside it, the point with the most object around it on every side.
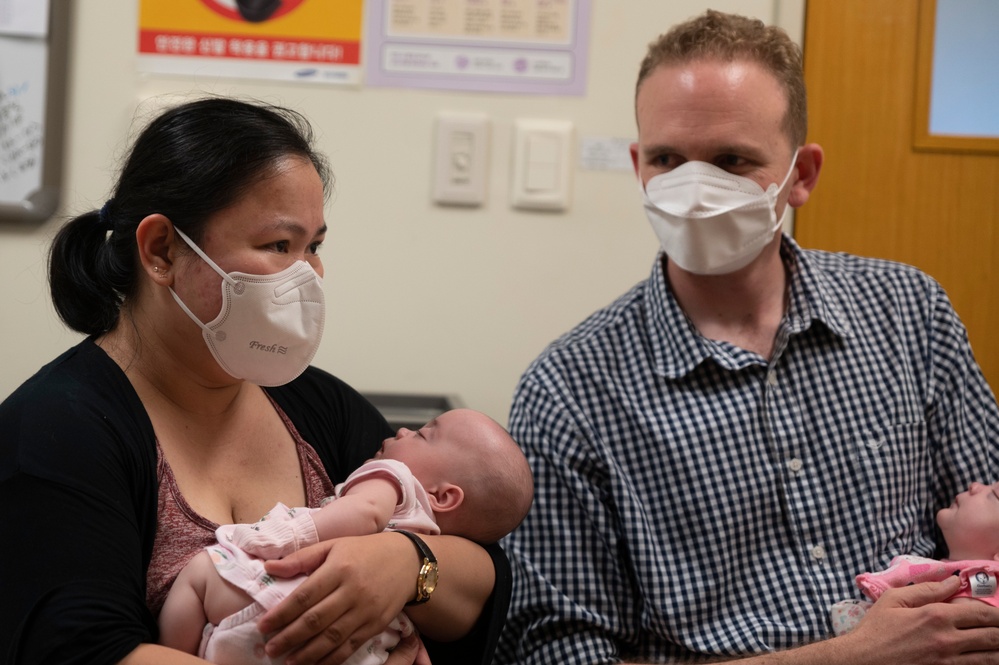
(787, 441)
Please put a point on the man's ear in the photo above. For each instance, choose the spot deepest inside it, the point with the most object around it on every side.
(808, 163)
(154, 239)
(445, 497)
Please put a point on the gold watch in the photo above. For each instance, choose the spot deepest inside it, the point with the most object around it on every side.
(426, 581)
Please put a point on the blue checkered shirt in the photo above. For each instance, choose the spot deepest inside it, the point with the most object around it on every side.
(697, 500)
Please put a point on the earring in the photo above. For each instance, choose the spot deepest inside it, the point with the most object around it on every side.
(156, 268)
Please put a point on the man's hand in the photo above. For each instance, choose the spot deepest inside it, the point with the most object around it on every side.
(913, 626)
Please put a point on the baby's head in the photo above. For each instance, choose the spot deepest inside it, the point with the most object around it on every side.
(476, 476)
(970, 525)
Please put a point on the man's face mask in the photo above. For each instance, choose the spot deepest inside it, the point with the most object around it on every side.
(709, 221)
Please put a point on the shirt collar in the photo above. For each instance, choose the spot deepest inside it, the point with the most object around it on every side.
(678, 348)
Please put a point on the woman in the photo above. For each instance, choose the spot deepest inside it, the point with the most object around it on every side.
(191, 404)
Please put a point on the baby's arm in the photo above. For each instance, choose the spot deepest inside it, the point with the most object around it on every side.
(365, 507)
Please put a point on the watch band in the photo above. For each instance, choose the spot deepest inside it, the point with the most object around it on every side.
(426, 580)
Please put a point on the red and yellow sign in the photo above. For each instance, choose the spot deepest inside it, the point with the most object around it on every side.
(305, 32)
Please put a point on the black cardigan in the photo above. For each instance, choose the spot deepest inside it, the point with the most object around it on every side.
(78, 501)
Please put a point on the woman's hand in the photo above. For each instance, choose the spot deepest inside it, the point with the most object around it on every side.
(356, 586)
(409, 651)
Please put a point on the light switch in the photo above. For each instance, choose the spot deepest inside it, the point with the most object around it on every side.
(461, 158)
(542, 163)
(542, 158)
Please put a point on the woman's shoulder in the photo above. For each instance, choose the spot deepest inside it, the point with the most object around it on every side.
(82, 374)
(80, 406)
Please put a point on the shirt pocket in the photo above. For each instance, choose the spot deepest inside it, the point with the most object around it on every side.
(894, 471)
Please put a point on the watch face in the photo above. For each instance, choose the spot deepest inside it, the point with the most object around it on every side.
(429, 576)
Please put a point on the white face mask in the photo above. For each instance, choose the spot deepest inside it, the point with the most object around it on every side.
(269, 327)
(709, 221)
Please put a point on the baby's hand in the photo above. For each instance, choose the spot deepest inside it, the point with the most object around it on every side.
(274, 538)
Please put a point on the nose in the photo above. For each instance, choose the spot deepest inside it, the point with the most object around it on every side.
(316, 263)
(975, 488)
(403, 432)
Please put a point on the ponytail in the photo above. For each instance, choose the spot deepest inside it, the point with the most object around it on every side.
(90, 272)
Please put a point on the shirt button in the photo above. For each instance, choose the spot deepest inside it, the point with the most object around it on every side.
(795, 465)
(818, 553)
(772, 378)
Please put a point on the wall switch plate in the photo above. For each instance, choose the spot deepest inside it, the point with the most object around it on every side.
(461, 158)
(542, 164)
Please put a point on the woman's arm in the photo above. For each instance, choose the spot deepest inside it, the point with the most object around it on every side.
(405, 653)
(153, 654)
(466, 580)
(357, 585)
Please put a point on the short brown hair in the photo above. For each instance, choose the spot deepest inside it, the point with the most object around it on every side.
(728, 37)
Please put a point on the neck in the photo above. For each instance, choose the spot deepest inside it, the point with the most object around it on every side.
(744, 308)
(161, 371)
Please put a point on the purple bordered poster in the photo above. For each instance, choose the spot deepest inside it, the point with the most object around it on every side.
(519, 46)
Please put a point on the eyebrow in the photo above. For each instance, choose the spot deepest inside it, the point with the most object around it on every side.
(296, 228)
(744, 149)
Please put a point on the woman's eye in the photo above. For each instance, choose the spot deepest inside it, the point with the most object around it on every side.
(281, 246)
(314, 247)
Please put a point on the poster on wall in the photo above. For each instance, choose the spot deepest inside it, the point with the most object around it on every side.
(518, 46)
(24, 18)
(314, 41)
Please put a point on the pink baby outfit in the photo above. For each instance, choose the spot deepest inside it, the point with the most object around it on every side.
(978, 581)
(978, 578)
(236, 639)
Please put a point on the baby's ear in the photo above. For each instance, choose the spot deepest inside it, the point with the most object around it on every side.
(996, 556)
(446, 497)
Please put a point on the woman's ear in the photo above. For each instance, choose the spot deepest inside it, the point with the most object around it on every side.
(446, 497)
(154, 239)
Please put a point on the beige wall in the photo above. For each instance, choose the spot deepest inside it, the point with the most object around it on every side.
(421, 298)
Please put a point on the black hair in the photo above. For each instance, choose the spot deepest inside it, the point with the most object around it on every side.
(189, 163)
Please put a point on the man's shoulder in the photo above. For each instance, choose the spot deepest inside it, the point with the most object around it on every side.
(597, 339)
(843, 265)
(623, 316)
(870, 283)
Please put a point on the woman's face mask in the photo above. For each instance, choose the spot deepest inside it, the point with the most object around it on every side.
(269, 326)
(709, 221)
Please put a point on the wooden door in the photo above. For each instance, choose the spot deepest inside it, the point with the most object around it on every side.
(877, 196)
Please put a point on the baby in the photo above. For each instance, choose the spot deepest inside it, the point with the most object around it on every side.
(970, 526)
(461, 474)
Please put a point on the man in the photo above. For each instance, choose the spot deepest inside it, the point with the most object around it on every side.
(720, 451)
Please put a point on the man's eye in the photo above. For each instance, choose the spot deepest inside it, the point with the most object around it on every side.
(314, 247)
(664, 161)
(281, 245)
(730, 161)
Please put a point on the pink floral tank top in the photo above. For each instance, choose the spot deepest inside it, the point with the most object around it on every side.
(181, 533)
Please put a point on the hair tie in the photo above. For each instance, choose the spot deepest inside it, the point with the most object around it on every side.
(104, 216)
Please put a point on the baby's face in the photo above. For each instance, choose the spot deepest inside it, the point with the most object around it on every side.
(970, 525)
(430, 452)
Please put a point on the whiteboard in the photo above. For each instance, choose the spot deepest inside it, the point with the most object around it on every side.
(32, 110)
